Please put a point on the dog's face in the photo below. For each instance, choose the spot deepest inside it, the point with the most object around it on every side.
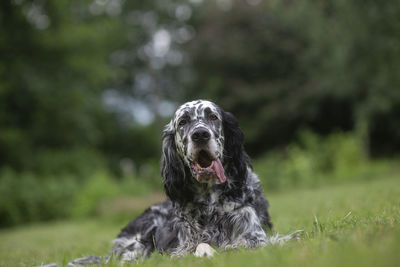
(199, 140)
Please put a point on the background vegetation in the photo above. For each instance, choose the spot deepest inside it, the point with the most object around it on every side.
(86, 87)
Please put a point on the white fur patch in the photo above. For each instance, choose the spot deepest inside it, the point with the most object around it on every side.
(204, 250)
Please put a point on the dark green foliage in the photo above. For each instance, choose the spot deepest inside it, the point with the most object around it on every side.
(51, 84)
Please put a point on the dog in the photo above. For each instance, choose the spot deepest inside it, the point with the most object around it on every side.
(214, 197)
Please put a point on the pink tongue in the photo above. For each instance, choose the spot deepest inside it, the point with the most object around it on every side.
(219, 170)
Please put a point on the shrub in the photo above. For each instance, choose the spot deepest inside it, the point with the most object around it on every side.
(314, 160)
(26, 198)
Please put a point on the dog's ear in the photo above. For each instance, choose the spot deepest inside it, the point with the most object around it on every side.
(236, 160)
(172, 167)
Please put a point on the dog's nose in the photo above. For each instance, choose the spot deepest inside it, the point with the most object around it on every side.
(201, 135)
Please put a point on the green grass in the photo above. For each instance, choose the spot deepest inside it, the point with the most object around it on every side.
(353, 224)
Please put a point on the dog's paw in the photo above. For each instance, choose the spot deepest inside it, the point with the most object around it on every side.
(204, 250)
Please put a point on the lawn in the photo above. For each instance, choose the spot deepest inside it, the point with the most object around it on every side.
(354, 224)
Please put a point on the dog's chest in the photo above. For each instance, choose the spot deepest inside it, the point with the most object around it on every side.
(210, 209)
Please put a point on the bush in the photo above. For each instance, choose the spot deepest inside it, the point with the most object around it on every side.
(26, 198)
(314, 160)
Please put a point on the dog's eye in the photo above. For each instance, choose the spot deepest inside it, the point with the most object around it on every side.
(213, 117)
(182, 122)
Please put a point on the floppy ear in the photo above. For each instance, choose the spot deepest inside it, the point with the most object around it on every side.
(172, 167)
(236, 159)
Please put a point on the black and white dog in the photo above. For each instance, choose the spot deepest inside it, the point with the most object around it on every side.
(214, 197)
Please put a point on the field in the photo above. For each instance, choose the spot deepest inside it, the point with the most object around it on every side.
(351, 224)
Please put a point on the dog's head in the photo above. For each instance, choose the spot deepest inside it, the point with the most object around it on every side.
(199, 140)
(202, 144)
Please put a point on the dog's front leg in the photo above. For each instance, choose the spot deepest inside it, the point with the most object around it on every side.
(244, 229)
(189, 241)
(188, 238)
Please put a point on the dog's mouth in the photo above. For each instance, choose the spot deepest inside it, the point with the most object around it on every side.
(207, 168)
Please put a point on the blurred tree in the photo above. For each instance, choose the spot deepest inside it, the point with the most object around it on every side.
(257, 65)
(54, 68)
